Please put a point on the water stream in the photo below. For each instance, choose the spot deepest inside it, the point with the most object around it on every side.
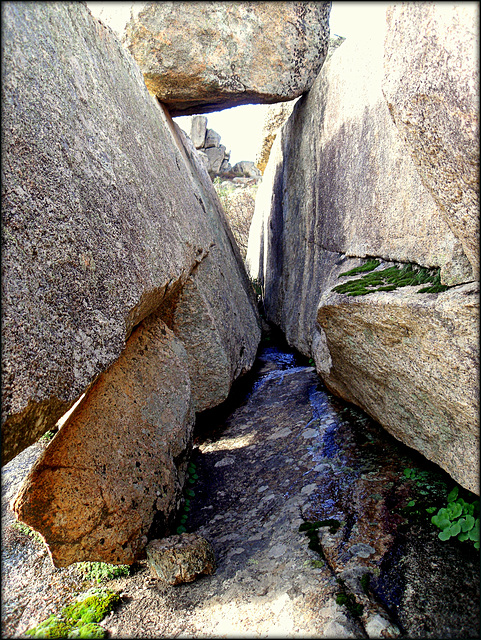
(428, 587)
(279, 453)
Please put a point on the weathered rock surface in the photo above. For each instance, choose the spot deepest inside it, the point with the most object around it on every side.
(216, 314)
(274, 118)
(341, 183)
(431, 84)
(199, 57)
(100, 222)
(180, 558)
(215, 155)
(238, 200)
(198, 131)
(411, 361)
(123, 278)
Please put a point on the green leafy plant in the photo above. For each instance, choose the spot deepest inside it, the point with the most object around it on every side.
(101, 571)
(458, 519)
(79, 619)
(48, 435)
(424, 481)
(428, 491)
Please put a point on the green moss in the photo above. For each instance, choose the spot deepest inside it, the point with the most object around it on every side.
(367, 266)
(390, 279)
(102, 570)
(90, 630)
(365, 580)
(52, 627)
(93, 608)
(79, 619)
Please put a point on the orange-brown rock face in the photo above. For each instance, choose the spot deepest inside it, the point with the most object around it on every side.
(95, 491)
(199, 57)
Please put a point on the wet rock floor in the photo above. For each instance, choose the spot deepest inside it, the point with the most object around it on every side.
(288, 454)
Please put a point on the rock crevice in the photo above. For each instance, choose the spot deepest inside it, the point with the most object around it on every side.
(343, 180)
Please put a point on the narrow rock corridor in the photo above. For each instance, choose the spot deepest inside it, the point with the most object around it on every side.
(290, 453)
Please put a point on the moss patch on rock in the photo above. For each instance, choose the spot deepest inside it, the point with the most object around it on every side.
(79, 619)
(390, 279)
(100, 571)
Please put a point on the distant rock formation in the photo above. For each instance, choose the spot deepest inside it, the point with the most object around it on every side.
(214, 154)
(121, 278)
(341, 186)
(238, 200)
(199, 57)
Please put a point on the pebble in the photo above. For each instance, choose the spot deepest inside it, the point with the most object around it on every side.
(309, 488)
(224, 462)
(361, 550)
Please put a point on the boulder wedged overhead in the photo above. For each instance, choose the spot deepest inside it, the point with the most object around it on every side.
(199, 57)
(431, 84)
(341, 185)
(108, 215)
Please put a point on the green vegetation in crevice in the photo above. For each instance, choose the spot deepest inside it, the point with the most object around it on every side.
(427, 492)
(370, 265)
(191, 479)
(365, 581)
(48, 435)
(311, 529)
(457, 517)
(28, 531)
(79, 619)
(348, 599)
(256, 285)
(259, 294)
(390, 279)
